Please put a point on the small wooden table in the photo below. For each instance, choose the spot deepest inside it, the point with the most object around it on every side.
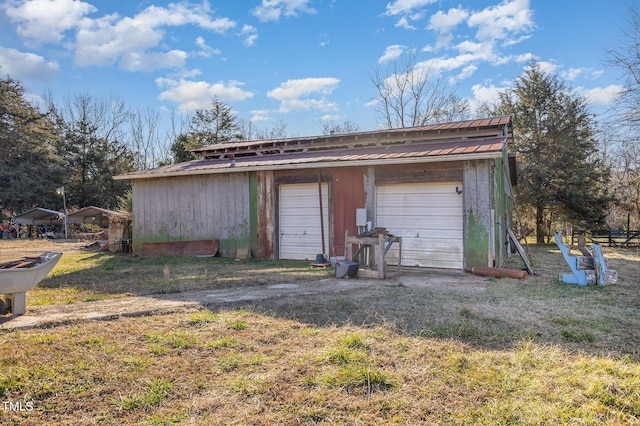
(379, 246)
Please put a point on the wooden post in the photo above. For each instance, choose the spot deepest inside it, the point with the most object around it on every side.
(380, 250)
(399, 253)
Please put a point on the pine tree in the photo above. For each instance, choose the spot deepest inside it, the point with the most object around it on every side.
(30, 170)
(560, 173)
(208, 126)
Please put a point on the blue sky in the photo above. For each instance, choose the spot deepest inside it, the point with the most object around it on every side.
(302, 62)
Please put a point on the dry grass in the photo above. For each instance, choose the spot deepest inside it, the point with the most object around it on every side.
(409, 351)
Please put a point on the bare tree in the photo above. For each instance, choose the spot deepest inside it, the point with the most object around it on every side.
(626, 57)
(150, 142)
(105, 116)
(250, 131)
(333, 127)
(93, 145)
(626, 110)
(412, 94)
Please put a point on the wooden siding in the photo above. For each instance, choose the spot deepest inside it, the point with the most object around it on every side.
(428, 172)
(503, 206)
(478, 213)
(193, 208)
(348, 195)
(266, 215)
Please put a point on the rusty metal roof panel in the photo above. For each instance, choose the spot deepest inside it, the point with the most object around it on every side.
(487, 147)
(274, 146)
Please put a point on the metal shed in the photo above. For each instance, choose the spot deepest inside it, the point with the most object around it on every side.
(39, 216)
(94, 216)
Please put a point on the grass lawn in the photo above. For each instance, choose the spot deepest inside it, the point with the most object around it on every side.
(507, 351)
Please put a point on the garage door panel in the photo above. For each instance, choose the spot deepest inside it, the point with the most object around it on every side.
(421, 212)
(415, 224)
(419, 244)
(414, 203)
(299, 211)
(428, 217)
(299, 221)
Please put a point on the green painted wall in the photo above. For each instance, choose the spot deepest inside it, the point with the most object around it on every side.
(487, 210)
(478, 202)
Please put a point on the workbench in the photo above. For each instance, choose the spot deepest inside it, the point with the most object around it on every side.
(373, 249)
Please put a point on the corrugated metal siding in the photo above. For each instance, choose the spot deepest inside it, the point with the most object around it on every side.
(428, 217)
(299, 215)
(193, 208)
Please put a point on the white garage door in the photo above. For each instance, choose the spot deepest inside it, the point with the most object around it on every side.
(299, 214)
(428, 217)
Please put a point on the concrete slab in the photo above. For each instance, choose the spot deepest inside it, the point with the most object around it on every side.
(49, 316)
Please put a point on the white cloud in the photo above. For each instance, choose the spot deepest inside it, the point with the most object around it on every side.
(502, 21)
(260, 115)
(391, 52)
(26, 66)
(250, 35)
(192, 95)
(407, 11)
(47, 20)
(482, 50)
(442, 22)
(178, 14)
(205, 50)
(404, 23)
(602, 95)
(135, 43)
(571, 74)
(526, 57)
(129, 40)
(496, 26)
(296, 94)
(466, 72)
(548, 67)
(486, 94)
(271, 10)
(447, 64)
(133, 61)
(401, 7)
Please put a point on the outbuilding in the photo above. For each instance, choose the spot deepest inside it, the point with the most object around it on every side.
(445, 189)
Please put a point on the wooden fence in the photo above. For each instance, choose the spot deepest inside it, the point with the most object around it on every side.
(616, 237)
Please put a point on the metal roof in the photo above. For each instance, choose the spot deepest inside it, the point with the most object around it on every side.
(398, 153)
(93, 215)
(39, 216)
(488, 127)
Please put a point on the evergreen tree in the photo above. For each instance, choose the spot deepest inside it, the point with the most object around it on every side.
(560, 173)
(93, 154)
(30, 170)
(215, 125)
(182, 146)
(208, 126)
